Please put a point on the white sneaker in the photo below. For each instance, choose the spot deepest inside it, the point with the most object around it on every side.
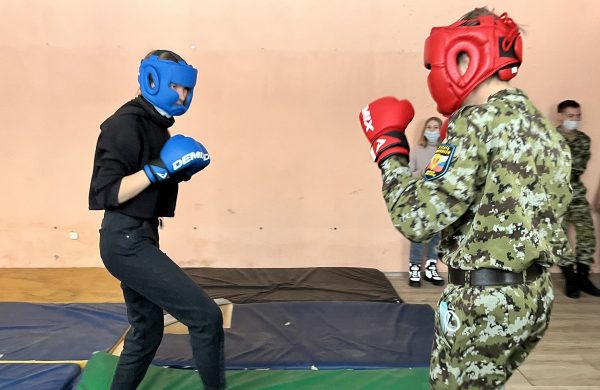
(414, 275)
(431, 274)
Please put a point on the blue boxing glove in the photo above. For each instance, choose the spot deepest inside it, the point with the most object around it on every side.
(196, 166)
(178, 154)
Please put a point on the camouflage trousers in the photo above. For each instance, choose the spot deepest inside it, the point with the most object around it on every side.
(580, 216)
(482, 334)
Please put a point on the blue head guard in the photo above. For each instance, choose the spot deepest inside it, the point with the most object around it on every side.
(155, 78)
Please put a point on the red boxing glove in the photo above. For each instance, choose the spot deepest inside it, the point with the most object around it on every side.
(383, 122)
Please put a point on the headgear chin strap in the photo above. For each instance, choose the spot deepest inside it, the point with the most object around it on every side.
(155, 78)
(493, 45)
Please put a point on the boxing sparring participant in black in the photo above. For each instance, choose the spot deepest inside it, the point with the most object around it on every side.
(137, 168)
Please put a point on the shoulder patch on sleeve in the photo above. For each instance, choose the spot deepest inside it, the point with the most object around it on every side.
(440, 162)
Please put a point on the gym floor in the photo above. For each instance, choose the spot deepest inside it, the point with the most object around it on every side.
(567, 358)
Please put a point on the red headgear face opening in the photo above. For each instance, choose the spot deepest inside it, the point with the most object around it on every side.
(494, 45)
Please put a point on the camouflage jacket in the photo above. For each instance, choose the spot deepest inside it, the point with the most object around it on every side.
(580, 145)
(500, 195)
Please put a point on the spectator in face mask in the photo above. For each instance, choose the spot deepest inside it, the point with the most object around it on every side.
(419, 159)
(578, 213)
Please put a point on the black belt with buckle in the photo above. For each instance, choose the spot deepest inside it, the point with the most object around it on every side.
(493, 277)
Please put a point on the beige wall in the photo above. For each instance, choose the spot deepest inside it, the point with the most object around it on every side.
(280, 86)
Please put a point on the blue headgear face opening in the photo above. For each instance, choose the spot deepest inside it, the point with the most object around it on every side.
(155, 78)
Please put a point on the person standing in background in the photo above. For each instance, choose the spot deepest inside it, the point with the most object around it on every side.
(579, 213)
(419, 159)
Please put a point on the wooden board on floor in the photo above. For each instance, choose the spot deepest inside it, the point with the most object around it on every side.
(179, 328)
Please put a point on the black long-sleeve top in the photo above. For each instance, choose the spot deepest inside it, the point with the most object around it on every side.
(129, 139)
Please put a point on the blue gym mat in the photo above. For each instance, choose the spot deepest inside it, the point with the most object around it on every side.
(38, 376)
(30, 331)
(325, 335)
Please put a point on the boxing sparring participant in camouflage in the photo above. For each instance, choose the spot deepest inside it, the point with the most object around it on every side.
(578, 213)
(497, 189)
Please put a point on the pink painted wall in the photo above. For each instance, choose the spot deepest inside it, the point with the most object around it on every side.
(280, 86)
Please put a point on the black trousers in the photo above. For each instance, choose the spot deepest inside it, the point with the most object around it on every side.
(151, 282)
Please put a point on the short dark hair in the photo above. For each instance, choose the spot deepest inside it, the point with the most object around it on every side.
(567, 104)
(165, 55)
(481, 11)
(477, 12)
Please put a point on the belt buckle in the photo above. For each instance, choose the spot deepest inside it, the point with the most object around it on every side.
(467, 278)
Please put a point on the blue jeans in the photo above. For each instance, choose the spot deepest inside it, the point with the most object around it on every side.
(429, 249)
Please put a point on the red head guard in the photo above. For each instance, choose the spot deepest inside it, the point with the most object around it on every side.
(493, 45)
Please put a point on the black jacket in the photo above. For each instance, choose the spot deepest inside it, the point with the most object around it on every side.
(129, 139)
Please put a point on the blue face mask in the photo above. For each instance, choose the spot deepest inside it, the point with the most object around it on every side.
(432, 136)
(155, 78)
(570, 125)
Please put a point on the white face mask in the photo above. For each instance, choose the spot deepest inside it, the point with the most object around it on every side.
(432, 136)
(570, 125)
